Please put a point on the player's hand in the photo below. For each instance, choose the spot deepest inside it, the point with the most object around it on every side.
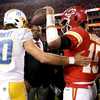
(82, 60)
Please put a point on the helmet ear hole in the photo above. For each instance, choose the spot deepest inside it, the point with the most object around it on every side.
(24, 22)
(17, 20)
(15, 24)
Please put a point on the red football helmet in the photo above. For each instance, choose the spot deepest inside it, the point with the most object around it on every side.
(74, 16)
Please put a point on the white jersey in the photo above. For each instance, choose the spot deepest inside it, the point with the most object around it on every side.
(12, 53)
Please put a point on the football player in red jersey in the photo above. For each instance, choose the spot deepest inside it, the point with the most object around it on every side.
(79, 79)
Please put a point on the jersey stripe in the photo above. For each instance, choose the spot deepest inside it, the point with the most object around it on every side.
(76, 35)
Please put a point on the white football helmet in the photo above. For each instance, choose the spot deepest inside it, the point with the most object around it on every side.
(15, 17)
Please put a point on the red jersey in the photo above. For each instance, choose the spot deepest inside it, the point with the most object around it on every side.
(76, 75)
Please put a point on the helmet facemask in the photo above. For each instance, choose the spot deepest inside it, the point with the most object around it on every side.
(65, 22)
(65, 26)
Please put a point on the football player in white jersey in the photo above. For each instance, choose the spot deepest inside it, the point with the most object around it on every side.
(15, 39)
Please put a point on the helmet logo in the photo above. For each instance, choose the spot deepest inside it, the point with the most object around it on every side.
(69, 12)
(18, 14)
